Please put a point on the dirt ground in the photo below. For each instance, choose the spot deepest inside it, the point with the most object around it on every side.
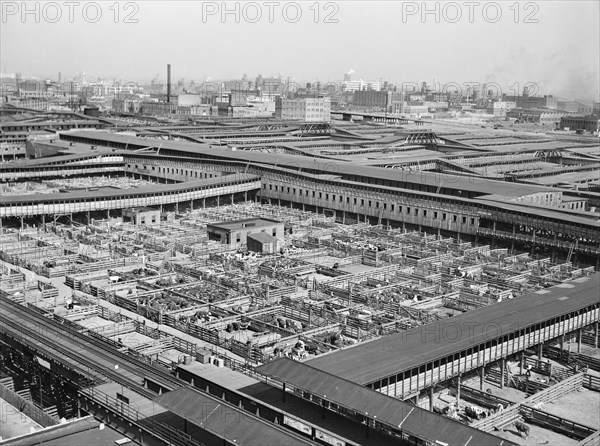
(537, 436)
(589, 350)
(582, 406)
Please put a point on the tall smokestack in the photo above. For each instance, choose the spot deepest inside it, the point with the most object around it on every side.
(168, 82)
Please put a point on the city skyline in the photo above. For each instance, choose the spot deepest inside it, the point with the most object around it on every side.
(375, 42)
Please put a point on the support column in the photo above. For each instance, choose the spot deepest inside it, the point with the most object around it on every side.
(522, 359)
(458, 389)
(218, 201)
(231, 198)
(562, 346)
(579, 335)
(431, 399)
(502, 372)
(203, 203)
(512, 242)
(88, 218)
(541, 349)
(481, 377)
(596, 334)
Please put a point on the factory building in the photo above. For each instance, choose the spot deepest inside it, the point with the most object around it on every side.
(537, 116)
(303, 109)
(586, 123)
(375, 99)
(533, 102)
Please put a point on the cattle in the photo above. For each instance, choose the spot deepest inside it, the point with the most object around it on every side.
(475, 412)
(522, 429)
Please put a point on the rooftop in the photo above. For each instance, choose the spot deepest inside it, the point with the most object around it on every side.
(371, 361)
(395, 413)
(244, 223)
(262, 237)
(238, 427)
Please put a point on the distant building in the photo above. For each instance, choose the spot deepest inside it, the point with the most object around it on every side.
(536, 116)
(375, 99)
(596, 109)
(533, 102)
(126, 105)
(142, 216)
(568, 106)
(158, 108)
(410, 108)
(587, 123)
(238, 231)
(354, 85)
(34, 103)
(303, 109)
(189, 100)
(584, 109)
(373, 85)
(239, 98)
(499, 107)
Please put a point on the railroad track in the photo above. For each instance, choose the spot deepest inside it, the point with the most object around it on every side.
(102, 358)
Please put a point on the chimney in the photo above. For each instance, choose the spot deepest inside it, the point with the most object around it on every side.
(168, 82)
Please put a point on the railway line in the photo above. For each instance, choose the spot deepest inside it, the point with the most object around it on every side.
(78, 348)
(82, 352)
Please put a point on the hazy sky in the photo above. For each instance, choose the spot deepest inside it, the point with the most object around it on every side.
(554, 44)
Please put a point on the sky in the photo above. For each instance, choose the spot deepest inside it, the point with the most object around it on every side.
(552, 45)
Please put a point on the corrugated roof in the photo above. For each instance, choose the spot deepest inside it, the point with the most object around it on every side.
(106, 192)
(475, 184)
(235, 425)
(371, 361)
(395, 413)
